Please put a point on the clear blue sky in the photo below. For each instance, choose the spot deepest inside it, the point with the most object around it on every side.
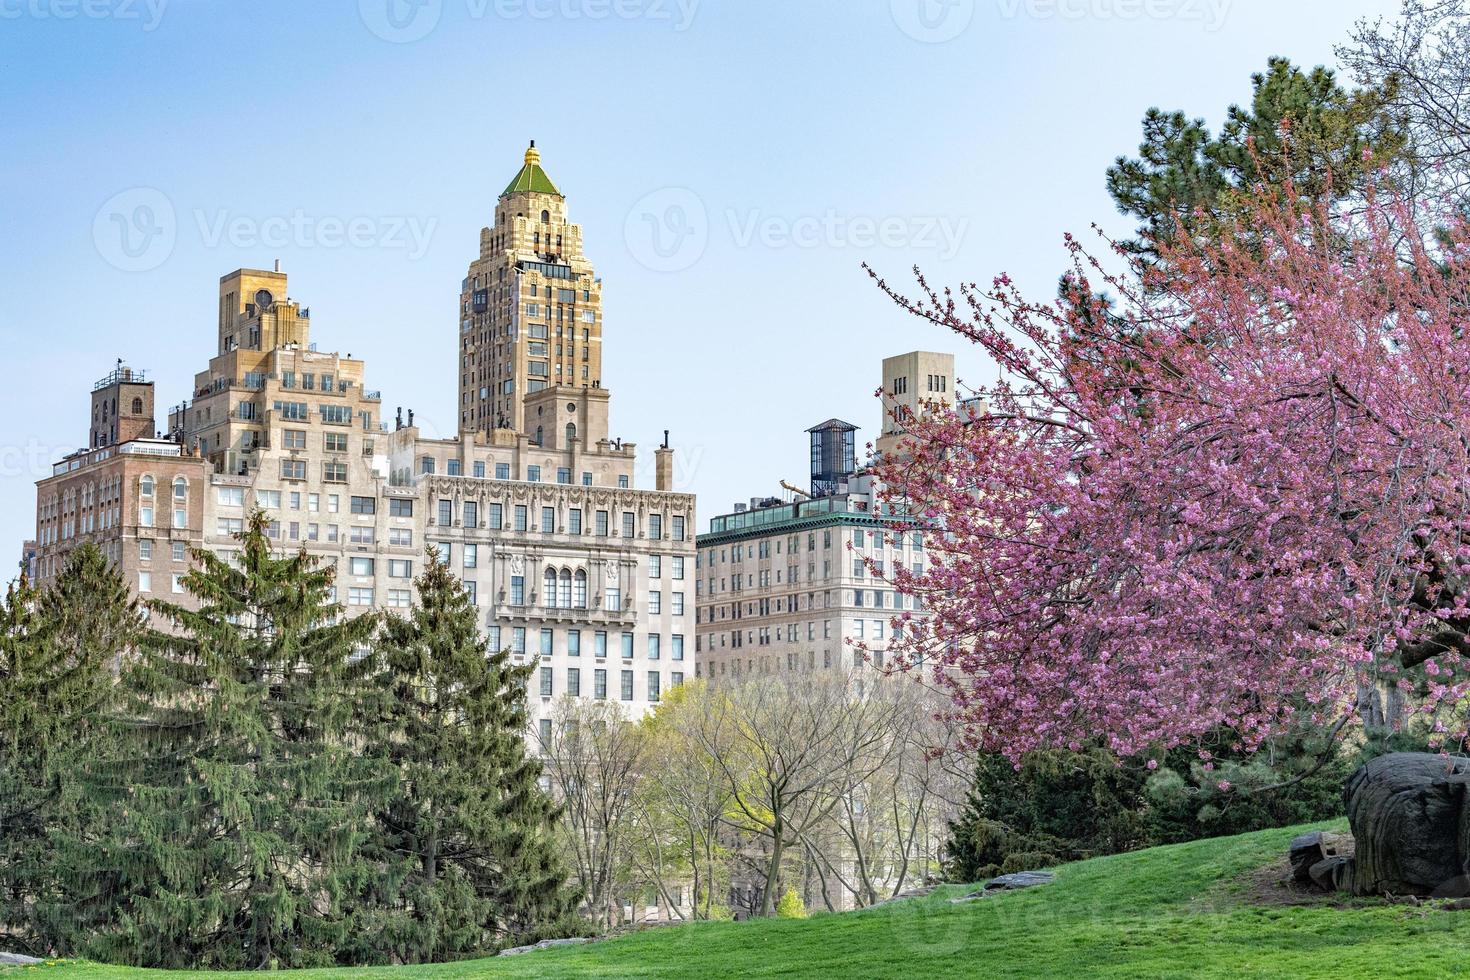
(732, 163)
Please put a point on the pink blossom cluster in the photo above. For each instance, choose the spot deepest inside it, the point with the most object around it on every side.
(1228, 496)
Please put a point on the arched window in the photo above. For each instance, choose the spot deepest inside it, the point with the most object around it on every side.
(548, 588)
(545, 217)
(181, 488)
(539, 436)
(145, 486)
(137, 406)
(579, 590)
(571, 432)
(566, 589)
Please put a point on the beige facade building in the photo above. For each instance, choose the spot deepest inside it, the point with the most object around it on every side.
(785, 584)
(912, 383)
(530, 313)
(573, 567)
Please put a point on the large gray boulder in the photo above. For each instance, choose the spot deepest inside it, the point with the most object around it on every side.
(1409, 818)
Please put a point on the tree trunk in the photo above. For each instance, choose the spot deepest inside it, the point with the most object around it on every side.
(773, 870)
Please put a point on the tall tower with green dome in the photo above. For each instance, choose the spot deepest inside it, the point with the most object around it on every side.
(530, 307)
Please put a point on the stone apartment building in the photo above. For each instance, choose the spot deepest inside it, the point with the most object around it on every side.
(573, 566)
(783, 584)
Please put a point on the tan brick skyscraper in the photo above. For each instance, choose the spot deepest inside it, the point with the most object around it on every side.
(530, 307)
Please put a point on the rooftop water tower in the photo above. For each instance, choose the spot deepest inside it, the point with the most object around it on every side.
(834, 456)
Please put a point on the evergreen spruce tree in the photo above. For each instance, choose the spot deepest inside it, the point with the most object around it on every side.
(470, 818)
(239, 798)
(57, 649)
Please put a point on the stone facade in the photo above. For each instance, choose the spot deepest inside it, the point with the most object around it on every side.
(572, 566)
(530, 307)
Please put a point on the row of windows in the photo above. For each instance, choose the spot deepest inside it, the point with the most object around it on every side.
(860, 538)
(521, 520)
(546, 643)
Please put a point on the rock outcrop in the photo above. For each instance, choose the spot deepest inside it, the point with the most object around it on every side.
(1411, 825)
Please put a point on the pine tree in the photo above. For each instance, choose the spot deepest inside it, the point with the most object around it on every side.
(240, 798)
(57, 649)
(471, 819)
(1301, 126)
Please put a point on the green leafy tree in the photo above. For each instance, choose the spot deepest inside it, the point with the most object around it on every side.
(56, 652)
(237, 804)
(1300, 126)
(469, 818)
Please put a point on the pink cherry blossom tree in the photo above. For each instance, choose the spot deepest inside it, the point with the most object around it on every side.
(1236, 495)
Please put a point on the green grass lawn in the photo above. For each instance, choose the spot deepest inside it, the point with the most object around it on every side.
(1177, 911)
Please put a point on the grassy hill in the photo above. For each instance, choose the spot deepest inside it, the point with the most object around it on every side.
(1189, 910)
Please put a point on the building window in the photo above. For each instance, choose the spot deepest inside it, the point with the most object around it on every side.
(502, 471)
(565, 597)
(655, 602)
(600, 523)
(655, 527)
(548, 588)
(546, 642)
(331, 472)
(677, 603)
(470, 555)
(446, 513)
(678, 528)
(398, 507)
(627, 646)
(517, 590)
(359, 597)
(293, 438)
(627, 685)
(145, 581)
(520, 517)
(548, 520)
(629, 525)
(400, 598)
(181, 518)
(574, 643)
(364, 505)
(336, 442)
(579, 589)
(676, 648)
(653, 685)
(471, 514)
(145, 487)
(533, 474)
(653, 646)
(574, 520)
(655, 566)
(546, 682)
(518, 640)
(497, 517)
(361, 566)
(400, 568)
(599, 684)
(678, 568)
(574, 681)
